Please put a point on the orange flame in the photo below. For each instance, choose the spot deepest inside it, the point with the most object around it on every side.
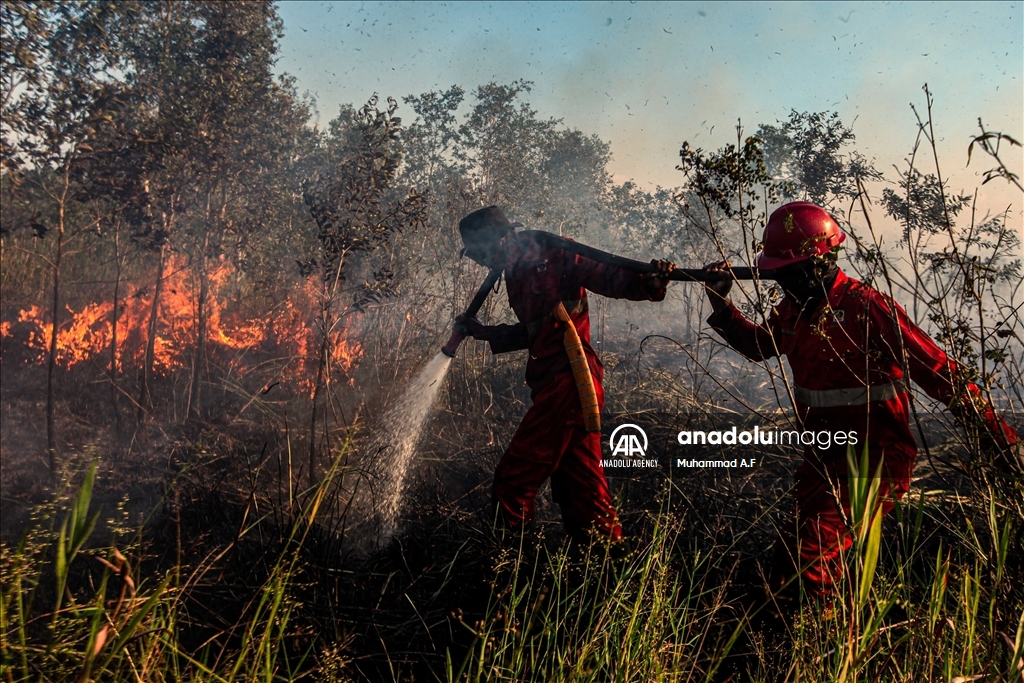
(287, 331)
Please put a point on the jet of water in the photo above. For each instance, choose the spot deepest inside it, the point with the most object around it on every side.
(396, 443)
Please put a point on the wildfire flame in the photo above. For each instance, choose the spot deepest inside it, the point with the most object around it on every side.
(86, 335)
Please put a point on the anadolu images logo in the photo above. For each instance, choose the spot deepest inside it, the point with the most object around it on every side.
(628, 443)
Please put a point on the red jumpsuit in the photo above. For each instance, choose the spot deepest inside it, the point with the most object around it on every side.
(848, 374)
(551, 440)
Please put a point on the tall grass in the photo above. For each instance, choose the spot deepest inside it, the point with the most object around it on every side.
(71, 613)
(915, 609)
(585, 615)
(667, 613)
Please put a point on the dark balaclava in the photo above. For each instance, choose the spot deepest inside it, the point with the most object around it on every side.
(808, 282)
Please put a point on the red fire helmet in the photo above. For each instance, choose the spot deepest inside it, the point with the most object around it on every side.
(796, 232)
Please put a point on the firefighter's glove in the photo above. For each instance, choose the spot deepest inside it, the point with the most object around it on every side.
(717, 290)
(469, 326)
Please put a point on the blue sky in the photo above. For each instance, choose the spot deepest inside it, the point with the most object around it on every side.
(647, 76)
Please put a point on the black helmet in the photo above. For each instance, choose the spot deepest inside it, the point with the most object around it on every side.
(483, 229)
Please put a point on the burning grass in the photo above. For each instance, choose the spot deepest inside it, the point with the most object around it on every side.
(87, 335)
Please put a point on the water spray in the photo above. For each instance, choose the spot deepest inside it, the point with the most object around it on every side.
(395, 443)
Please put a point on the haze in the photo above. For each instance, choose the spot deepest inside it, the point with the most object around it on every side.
(645, 77)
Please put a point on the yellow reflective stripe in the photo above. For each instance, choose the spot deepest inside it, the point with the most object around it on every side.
(580, 370)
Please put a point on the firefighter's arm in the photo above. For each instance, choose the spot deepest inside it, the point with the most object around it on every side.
(938, 375)
(753, 341)
(619, 283)
(502, 338)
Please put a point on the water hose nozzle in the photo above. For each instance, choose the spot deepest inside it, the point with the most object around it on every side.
(452, 346)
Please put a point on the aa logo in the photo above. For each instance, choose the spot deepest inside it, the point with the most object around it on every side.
(628, 441)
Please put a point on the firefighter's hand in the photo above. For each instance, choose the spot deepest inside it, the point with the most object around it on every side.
(468, 326)
(718, 289)
(660, 279)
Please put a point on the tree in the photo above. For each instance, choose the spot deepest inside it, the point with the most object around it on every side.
(809, 155)
(728, 189)
(357, 206)
(27, 29)
(433, 137)
(59, 88)
(242, 125)
(502, 142)
(571, 187)
(215, 148)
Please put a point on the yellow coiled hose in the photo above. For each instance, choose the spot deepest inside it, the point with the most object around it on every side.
(580, 371)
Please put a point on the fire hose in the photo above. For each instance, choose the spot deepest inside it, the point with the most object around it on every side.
(551, 240)
(580, 371)
(684, 274)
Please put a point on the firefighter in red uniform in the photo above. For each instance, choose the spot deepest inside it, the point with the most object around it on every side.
(547, 291)
(852, 351)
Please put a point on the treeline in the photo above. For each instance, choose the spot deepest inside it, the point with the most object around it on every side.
(149, 152)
